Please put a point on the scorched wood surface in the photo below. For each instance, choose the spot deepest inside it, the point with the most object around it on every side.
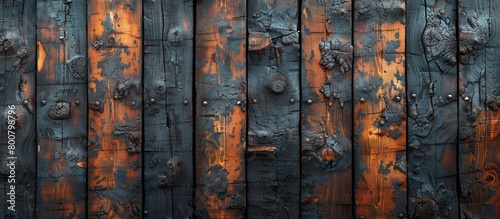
(250, 109)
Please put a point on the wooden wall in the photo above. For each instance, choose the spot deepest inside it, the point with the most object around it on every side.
(250, 109)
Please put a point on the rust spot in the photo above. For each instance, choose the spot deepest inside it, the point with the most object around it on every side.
(82, 164)
(328, 154)
(309, 200)
(41, 56)
(258, 41)
(261, 148)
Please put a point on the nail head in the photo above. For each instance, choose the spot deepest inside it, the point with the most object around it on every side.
(185, 102)
(238, 102)
(466, 98)
(205, 103)
(309, 101)
(152, 100)
(449, 96)
(97, 103)
(292, 100)
(254, 101)
(362, 100)
(413, 95)
(25, 102)
(44, 102)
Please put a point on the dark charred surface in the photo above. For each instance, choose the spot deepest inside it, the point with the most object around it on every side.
(115, 115)
(220, 132)
(379, 109)
(326, 152)
(168, 118)
(273, 122)
(17, 88)
(432, 109)
(479, 44)
(62, 111)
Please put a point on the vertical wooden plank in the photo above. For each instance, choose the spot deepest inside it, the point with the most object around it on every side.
(432, 107)
(115, 114)
(379, 109)
(273, 160)
(17, 97)
(220, 108)
(62, 111)
(479, 48)
(327, 109)
(168, 120)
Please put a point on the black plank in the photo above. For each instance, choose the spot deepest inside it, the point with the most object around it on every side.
(168, 118)
(432, 109)
(17, 99)
(62, 111)
(273, 157)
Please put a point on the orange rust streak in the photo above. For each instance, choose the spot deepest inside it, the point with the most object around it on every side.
(41, 56)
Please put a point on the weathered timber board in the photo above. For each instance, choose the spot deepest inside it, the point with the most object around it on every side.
(220, 124)
(17, 97)
(61, 110)
(479, 45)
(273, 151)
(326, 177)
(168, 115)
(115, 109)
(432, 109)
(379, 109)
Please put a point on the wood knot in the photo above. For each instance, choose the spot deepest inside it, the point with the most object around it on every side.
(328, 154)
(60, 111)
(175, 37)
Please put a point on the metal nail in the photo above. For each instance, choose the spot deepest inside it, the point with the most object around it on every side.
(205, 103)
(309, 101)
(254, 101)
(44, 102)
(292, 100)
(362, 100)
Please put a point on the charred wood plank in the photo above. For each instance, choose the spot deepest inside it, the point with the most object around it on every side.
(379, 109)
(115, 109)
(62, 111)
(168, 103)
(273, 155)
(432, 107)
(479, 48)
(220, 79)
(326, 177)
(17, 104)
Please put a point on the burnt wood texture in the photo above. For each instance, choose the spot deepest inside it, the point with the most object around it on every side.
(168, 109)
(115, 109)
(61, 109)
(220, 123)
(327, 53)
(273, 151)
(432, 109)
(478, 50)
(17, 96)
(250, 108)
(379, 109)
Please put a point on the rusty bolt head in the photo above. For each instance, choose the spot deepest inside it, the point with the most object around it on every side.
(152, 100)
(449, 96)
(205, 103)
(44, 102)
(254, 101)
(309, 101)
(291, 100)
(238, 103)
(362, 100)
(466, 98)
(26, 102)
(381, 122)
(97, 103)
(413, 95)
(185, 102)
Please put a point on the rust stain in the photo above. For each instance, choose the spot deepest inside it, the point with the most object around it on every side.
(41, 56)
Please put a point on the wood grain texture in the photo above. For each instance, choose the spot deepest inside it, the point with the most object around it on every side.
(115, 109)
(379, 109)
(326, 177)
(432, 107)
(273, 158)
(17, 90)
(220, 123)
(62, 111)
(168, 116)
(479, 48)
